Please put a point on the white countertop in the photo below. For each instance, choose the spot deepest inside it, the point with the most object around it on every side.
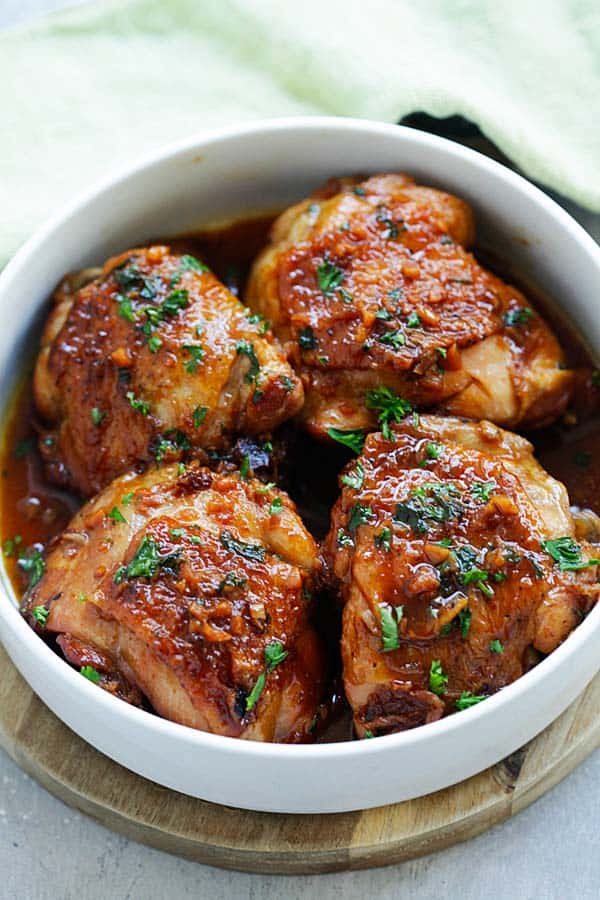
(48, 850)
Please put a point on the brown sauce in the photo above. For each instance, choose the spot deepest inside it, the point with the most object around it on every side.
(32, 512)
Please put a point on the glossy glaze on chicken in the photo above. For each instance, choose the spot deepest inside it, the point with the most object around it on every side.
(152, 357)
(369, 283)
(193, 590)
(457, 558)
(452, 560)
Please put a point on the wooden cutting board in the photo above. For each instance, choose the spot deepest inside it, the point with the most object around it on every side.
(272, 843)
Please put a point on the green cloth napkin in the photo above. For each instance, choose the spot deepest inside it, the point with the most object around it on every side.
(92, 88)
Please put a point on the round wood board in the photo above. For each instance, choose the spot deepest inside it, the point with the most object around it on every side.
(271, 843)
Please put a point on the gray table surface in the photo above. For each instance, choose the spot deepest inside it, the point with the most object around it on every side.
(48, 850)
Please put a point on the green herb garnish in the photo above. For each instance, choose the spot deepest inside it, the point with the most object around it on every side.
(496, 646)
(518, 316)
(567, 553)
(468, 699)
(141, 406)
(482, 490)
(437, 678)
(197, 354)
(33, 565)
(116, 515)
(40, 614)
(97, 416)
(390, 617)
(91, 674)
(360, 515)
(329, 277)
(383, 540)
(246, 348)
(390, 406)
(199, 416)
(355, 477)
(352, 439)
(307, 339)
(254, 552)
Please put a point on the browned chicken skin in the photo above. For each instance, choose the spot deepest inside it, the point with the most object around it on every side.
(369, 283)
(192, 589)
(152, 356)
(439, 544)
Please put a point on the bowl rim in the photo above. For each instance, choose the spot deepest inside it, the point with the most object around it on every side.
(123, 712)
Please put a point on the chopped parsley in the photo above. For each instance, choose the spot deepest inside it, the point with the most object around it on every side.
(197, 354)
(307, 339)
(496, 646)
(174, 302)
(146, 562)
(141, 406)
(390, 406)
(233, 580)
(355, 477)
(329, 277)
(567, 553)
(360, 515)
(344, 539)
(384, 314)
(190, 262)
(274, 655)
(154, 343)
(33, 565)
(91, 674)
(40, 614)
(246, 348)
(383, 540)
(395, 339)
(437, 678)
(518, 316)
(392, 230)
(199, 415)
(245, 467)
(432, 451)
(464, 621)
(468, 699)
(276, 506)
(436, 501)
(482, 490)
(254, 695)
(127, 498)
(413, 320)
(479, 577)
(116, 515)
(390, 617)
(10, 545)
(254, 552)
(352, 439)
(97, 416)
(171, 440)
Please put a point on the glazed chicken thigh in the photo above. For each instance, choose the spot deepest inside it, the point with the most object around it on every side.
(458, 565)
(369, 284)
(192, 589)
(152, 357)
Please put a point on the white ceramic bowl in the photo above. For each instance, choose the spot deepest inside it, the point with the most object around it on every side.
(228, 174)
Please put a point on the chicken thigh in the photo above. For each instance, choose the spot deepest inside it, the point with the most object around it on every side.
(458, 566)
(369, 284)
(152, 357)
(192, 589)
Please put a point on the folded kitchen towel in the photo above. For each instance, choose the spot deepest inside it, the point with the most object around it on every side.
(98, 85)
